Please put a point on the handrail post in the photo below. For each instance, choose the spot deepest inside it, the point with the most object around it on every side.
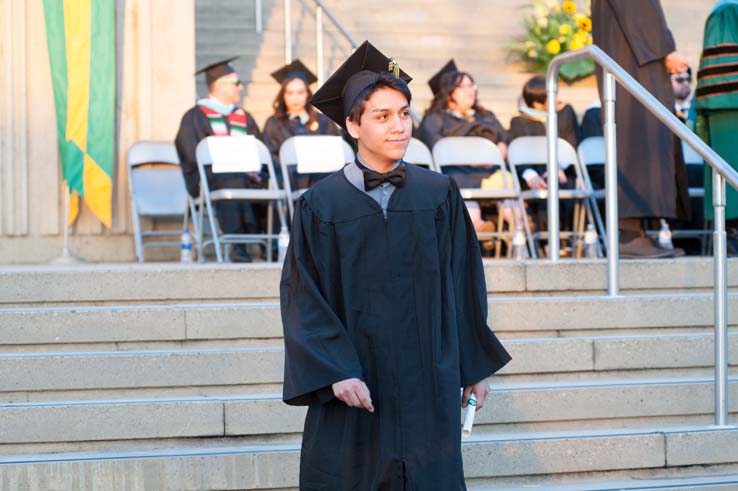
(611, 186)
(319, 43)
(287, 31)
(552, 139)
(721, 301)
(257, 15)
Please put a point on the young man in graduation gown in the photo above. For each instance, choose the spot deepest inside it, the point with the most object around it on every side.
(384, 303)
(716, 105)
(652, 180)
(220, 114)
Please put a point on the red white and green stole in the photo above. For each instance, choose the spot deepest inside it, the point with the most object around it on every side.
(236, 120)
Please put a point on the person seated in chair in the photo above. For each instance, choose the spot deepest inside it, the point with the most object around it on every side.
(294, 115)
(220, 114)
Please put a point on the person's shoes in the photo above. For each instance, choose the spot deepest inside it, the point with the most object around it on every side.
(239, 254)
(643, 248)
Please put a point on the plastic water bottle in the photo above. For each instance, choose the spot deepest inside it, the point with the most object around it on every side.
(519, 251)
(185, 247)
(283, 242)
(665, 236)
(590, 242)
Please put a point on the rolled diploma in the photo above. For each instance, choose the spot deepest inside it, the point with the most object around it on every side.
(471, 408)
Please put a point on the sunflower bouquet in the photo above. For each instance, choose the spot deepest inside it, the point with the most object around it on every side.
(556, 27)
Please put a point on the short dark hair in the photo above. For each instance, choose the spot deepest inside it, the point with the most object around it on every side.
(534, 90)
(385, 81)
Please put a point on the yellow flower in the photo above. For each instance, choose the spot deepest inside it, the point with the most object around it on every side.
(532, 54)
(585, 24)
(576, 44)
(562, 39)
(578, 17)
(553, 47)
(569, 7)
(580, 36)
(564, 29)
(589, 40)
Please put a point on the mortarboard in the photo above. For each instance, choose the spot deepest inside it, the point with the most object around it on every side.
(218, 69)
(296, 69)
(435, 80)
(338, 94)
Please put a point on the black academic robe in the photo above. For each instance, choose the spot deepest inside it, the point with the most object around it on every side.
(194, 127)
(277, 130)
(651, 173)
(399, 302)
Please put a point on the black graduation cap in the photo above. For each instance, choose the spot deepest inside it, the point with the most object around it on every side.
(338, 94)
(296, 69)
(435, 80)
(218, 69)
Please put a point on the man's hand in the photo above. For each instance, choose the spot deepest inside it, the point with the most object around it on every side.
(675, 63)
(354, 393)
(480, 390)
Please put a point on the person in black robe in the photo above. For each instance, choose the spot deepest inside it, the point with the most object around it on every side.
(383, 303)
(456, 111)
(220, 114)
(294, 115)
(531, 121)
(652, 180)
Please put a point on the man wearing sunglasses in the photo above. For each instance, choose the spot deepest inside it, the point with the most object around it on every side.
(681, 82)
(220, 114)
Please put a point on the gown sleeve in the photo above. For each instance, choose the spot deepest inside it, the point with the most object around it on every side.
(271, 138)
(191, 130)
(318, 349)
(431, 129)
(481, 353)
(644, 26)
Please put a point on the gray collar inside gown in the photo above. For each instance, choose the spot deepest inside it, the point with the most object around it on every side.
(381, 194)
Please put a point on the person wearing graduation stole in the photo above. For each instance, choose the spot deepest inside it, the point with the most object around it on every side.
(716, 105)
(383, 302)
(220, 114)
(294, 115)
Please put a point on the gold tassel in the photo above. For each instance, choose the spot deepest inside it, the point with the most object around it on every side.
(394, 67)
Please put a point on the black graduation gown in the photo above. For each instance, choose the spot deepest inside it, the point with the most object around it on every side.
(651, 173)
(400, 303)
(194, 127)
(277, 130)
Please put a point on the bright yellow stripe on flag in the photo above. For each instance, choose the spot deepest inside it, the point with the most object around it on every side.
(98, 191)
(73, 206)
(77, 26)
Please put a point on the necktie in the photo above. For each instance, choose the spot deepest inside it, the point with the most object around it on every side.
(372, 178)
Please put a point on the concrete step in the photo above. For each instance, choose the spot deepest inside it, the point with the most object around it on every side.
(721, 482)
(545, 358)
(276, 466)
(625, 404)
(166, 281)
(249, 321)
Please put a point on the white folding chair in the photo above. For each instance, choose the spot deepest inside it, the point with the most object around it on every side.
(418, 154)
(288, 160)
(591, 152)
(533, 150)
(474, 151)
(273, 195)
(157, 191)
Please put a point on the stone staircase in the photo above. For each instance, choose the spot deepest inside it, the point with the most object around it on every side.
(168, 377)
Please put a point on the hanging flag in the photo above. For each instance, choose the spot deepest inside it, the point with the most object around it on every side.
(81, 38)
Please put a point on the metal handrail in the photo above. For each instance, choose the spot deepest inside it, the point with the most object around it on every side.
(320, 9)
(721, 172)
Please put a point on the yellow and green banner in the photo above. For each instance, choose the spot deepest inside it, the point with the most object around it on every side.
(81, 40)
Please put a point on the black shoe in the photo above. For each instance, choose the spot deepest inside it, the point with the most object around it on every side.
(239, 254)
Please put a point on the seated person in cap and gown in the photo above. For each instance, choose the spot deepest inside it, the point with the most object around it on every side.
(456, 111)
(220, 114)
(293, 115)
(383, 302)
(531, 121)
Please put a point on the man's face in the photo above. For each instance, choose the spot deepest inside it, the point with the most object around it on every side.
(227, 89)
(386, 126)
(295, 96)
(680, 82)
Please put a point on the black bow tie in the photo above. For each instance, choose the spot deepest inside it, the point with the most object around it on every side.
(373, 179)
